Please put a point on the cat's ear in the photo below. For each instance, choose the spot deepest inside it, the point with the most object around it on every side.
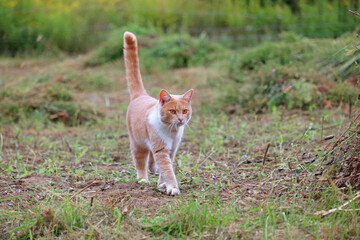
(187, 96)
(164, 97)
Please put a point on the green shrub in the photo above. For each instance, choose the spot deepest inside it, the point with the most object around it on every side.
(293, 73)
(180, 51)
(279, 53)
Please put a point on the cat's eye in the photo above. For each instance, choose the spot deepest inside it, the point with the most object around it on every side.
(172, 111)
(185, 111)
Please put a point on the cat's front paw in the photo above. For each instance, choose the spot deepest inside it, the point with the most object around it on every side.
(170, 186)
(172, 191)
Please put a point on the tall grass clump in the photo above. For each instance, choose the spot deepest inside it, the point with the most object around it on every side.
(63, 219)
(193, 219)
(41, 100)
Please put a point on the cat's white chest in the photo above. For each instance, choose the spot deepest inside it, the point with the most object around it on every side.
(163, 131)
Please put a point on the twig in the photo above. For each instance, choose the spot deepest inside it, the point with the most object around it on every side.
(84, 189)
(207, 157)
(266, 151)
(350, 107)
(329, 137)
(322, 127)
(325, 213)
(99, 222)
(355, 13)
(69, 148)
(338, 140)
(94, 227)
(1, 142)
(343, 134)
(275, 159)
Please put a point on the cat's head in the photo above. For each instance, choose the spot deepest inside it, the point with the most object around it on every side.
(175, 110)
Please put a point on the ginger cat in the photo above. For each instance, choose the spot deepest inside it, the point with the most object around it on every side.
(155, 126)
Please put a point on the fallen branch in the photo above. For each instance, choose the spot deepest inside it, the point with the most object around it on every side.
(324, 213)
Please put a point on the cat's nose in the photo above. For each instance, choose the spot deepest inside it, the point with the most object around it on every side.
(180, 120)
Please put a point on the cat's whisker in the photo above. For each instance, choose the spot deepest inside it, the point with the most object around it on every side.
(171, 126)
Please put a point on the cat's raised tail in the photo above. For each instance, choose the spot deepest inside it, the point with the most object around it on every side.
(133, 76)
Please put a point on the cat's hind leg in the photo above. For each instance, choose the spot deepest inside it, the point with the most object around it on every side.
(140, 159)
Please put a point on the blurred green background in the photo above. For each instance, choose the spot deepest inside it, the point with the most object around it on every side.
(79, 25)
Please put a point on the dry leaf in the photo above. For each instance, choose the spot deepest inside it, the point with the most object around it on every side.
(286, 90)
(350, 51)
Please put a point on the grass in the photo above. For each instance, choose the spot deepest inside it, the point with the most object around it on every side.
(193, 218)
(227, 193)
(71, 181)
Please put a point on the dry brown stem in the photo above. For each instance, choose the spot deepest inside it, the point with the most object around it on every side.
(324, 213)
